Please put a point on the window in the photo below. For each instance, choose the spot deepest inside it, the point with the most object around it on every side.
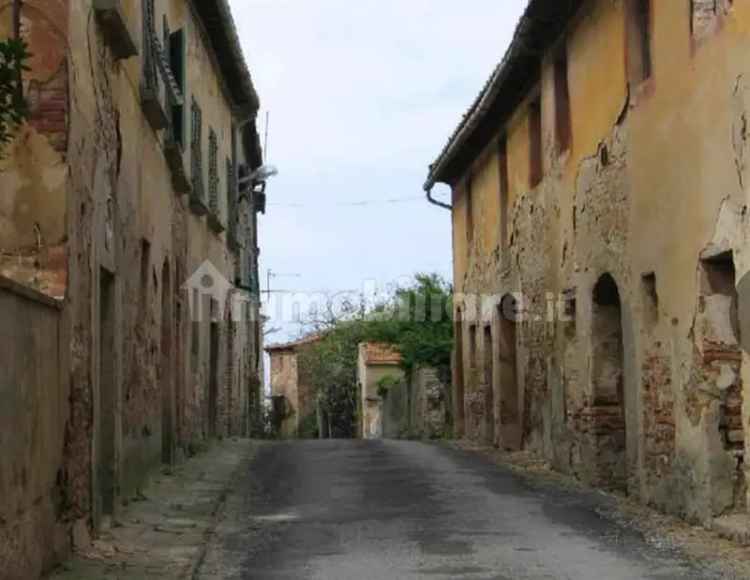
(473, 347)
(639, 41)
(720, 328)
(196, 149)
(510, 388)
(195, 330)
(570, 305)
(562, 103)
(149, 29)
(569, 313)
(469, 211)
(488, 357)
(536, 172)
(504, 186)
(213, 172)
(232, 217)
(650, 300)
(145, 266)
(176, 44)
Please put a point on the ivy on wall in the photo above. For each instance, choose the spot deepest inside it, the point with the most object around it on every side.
(13, 107)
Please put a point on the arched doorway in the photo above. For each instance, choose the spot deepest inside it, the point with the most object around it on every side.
(166, 374)
(489, 386)
(510, 416)
(608, 386)
(458, 374)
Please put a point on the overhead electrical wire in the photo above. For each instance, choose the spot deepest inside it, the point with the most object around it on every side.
(362, 203)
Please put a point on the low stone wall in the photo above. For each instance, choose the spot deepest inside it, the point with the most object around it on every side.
(33, 414)
(416, 408)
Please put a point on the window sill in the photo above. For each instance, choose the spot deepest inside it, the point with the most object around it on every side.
(115, 30)
(153, 109)
(197, 203)
(215, 223)
(173, 153)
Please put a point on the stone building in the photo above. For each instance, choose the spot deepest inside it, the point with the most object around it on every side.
(600, 222)
(377, 363)
(133, 173)
(397, 404)
(292, 390)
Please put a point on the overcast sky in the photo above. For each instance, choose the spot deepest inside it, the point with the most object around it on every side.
(362, 95)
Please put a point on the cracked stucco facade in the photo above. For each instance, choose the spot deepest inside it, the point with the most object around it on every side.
(89, 216)
(642, 220)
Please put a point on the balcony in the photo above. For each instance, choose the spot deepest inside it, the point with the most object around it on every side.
(114, 29)
(215, 222)
(152, 103)
(174, 150)
(198, 199)
(173, 153)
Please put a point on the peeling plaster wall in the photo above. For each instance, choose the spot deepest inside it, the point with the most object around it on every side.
(429, 411)
(293, 381)
(381, 418)
(34, 391)
(284, 383)
(86, 188)
(33, 173)
(414, 405)
(655, 178)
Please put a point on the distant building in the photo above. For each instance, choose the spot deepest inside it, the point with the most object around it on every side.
(378, 364)
(397, 405)
(292, 391)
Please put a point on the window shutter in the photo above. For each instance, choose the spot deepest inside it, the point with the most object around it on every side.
(196, 152)
(213, 173)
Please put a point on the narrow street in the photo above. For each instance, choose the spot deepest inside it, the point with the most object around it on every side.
(339, 510)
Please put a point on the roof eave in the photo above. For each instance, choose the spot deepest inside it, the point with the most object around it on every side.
(227, 55)
(539, 28)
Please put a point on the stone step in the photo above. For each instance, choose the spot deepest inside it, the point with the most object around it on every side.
(735, 527)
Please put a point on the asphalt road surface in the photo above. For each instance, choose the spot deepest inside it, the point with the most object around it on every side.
(357, 510)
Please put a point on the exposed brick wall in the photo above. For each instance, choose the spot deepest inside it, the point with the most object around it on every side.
(49, 109)
(658, 413)
(707, 16)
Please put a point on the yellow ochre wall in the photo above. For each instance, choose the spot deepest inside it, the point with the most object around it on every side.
(675, 185)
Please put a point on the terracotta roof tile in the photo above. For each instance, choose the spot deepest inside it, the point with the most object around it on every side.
(379, 353)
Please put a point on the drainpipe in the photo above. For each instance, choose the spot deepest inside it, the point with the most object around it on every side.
(428, 190)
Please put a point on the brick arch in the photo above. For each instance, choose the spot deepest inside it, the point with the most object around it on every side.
(510, 386)
(608, 385)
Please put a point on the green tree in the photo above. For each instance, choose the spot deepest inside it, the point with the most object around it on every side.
(13, 107)
(417, 320)
(331, 366)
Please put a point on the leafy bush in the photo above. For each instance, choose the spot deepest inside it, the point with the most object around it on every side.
(386, 384)
(417, 321)
(13, 107)
(308, 427)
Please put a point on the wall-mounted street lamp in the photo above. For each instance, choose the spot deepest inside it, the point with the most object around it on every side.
(260, 175)
(255, 184)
